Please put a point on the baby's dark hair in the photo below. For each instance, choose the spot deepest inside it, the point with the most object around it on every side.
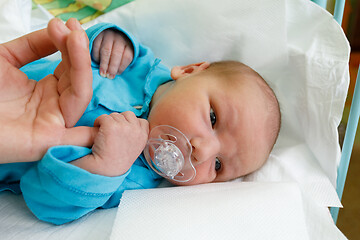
(229, 68)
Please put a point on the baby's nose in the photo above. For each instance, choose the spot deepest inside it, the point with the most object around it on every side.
(204, 149)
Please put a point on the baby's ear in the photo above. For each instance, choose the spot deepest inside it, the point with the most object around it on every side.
(182, 71)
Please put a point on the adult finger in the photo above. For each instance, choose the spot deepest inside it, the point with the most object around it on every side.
(59, 33)
(73, 24)
(59, 70)
(74, 100)
(28, 48)
(79, 136)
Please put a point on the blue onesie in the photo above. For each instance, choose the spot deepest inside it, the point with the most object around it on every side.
(59, 192)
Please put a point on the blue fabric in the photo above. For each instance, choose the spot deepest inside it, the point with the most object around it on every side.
(59, 192)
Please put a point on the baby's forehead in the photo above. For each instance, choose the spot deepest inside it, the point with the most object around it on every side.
(240, 83)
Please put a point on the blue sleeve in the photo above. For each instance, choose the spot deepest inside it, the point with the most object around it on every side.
(59, 192)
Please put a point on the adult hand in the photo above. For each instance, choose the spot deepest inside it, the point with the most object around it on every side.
(113, 51)
(36, 115)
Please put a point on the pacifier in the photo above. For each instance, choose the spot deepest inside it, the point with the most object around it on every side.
(168, 152)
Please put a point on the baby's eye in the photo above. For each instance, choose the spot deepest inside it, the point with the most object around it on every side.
(212, 117)
(217, 164)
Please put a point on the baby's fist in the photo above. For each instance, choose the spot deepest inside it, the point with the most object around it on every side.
(120, 140)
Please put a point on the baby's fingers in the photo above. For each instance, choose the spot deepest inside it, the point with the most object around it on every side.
(145, 126)
(95, 52)
(106, 48)
(116, 57)
(127, 58)
(114, 51)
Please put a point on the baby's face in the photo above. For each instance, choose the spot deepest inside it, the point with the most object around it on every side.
(224, 122)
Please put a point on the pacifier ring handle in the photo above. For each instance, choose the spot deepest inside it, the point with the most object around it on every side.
(168, 153)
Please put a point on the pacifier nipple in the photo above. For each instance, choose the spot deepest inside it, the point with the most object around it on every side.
(169, 159)
(168, 153)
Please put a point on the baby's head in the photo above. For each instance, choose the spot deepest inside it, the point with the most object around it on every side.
(227, 111)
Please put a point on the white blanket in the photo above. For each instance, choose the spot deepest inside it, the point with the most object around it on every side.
(295, 45)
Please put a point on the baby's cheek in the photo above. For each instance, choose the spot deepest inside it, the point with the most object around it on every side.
(161, 114)
(204, 174)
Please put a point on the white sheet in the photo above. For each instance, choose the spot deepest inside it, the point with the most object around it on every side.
(237, 210)
(294, 45)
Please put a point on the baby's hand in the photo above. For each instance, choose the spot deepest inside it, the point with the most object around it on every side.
(113, 51)
(120, 140)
